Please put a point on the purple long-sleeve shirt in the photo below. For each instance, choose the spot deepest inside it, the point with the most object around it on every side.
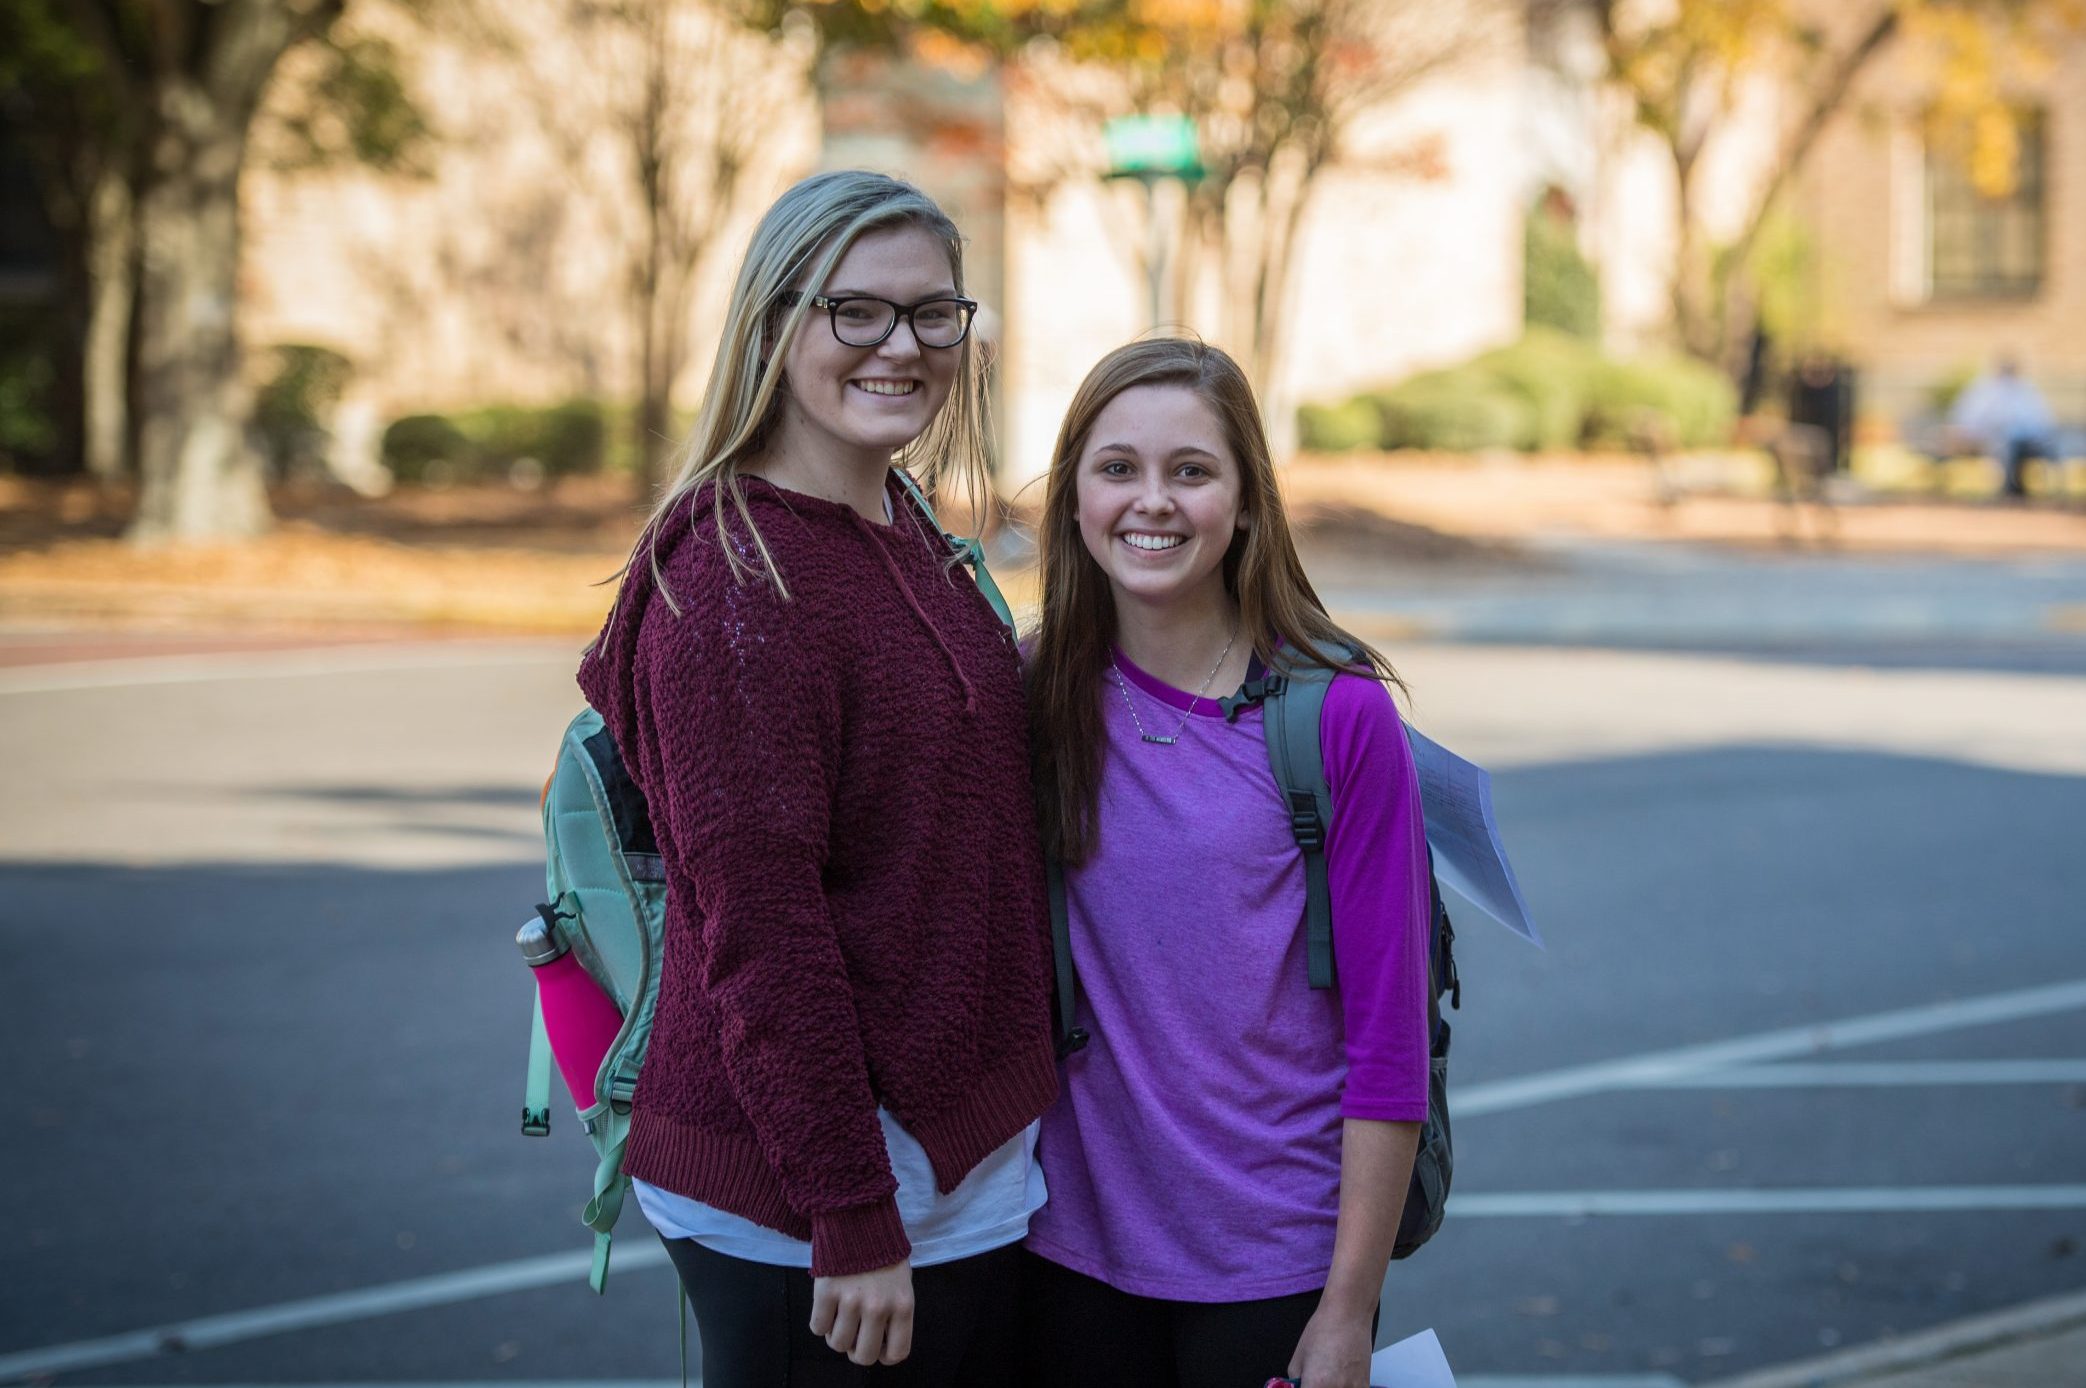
(1194, 1153)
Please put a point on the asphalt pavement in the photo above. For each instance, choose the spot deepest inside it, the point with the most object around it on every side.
(1802, 1071)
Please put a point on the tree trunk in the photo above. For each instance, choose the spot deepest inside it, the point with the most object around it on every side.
(654, 423)
(112, 266)
(210, 63)
(1281, 216)
(201, 480)
(1692, 290)
(651, 421)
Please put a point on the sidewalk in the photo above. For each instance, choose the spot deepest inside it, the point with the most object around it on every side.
(2039, 1345)
(1709, 498)
(492, 559)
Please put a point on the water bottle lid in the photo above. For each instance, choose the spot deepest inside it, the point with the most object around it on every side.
(539, 944)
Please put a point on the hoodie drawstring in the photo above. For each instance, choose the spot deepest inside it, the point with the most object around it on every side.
(869, 535)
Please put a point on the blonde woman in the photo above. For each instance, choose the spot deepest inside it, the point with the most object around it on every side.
(834, 1131)
(1231, 1155)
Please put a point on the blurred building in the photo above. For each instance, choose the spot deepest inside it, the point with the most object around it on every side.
(499, 275)
(503, 272)
(1906, 270)
(1922, 277)
(499, 269)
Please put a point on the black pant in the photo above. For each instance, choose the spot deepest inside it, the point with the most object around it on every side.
(755, 1321)
(1081, 1333)
(2015, 458)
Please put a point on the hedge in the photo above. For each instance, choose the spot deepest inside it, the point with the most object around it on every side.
(292, 407)
(498, 441)
(1547, 391)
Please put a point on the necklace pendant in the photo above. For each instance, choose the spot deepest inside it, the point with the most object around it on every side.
(1162, 741)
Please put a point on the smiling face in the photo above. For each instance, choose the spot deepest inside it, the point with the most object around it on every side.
(863, 403)
(1159, 496)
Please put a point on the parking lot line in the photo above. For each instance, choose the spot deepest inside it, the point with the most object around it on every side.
(524, 1274)
(1658, 1068)
(695, 1381)
(1661, 1067)
(1828, 1200)
(1880, 1073)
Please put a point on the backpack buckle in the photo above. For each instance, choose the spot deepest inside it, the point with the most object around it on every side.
(1305, 823)
(1451, 980)
(1252, 694)
(1074, 1040)
(535, 1122)
(621, 1090)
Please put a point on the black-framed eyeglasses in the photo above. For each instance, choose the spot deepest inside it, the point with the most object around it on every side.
(863, 320)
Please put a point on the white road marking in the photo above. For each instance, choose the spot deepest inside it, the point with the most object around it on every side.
(1946, 1350)
(208, 1332)
(67, 677)
(1664, 1067)
(695, 1381)
(1884, 1073)
(1847, 1200)
(1560, 1381)
(530, 1273)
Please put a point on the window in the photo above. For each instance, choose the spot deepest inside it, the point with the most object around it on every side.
(1981, 247)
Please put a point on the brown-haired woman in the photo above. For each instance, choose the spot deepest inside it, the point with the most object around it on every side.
(1229, 1158)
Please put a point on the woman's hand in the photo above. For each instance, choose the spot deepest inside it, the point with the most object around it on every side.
(1375, 1169)
(1334, 1351)
(869, 1316)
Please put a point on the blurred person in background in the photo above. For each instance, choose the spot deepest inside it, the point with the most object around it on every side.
(834, 1131)
(2005, 416)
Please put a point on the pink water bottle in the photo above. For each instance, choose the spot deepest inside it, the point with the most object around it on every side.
(580, 1020)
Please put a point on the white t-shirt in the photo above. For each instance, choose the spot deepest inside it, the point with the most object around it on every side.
(989, 1209)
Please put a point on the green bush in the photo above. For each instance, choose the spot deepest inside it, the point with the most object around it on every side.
(1340, 428)
(1547, 391)
(292, 407)
(564, 439)
(1460, 410)
(426, 448)
(1559, 289)
(1553, 374)
(1695, 403)
(31, 437)
(498, 441)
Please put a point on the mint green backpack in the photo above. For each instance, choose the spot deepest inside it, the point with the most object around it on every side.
(607, 890)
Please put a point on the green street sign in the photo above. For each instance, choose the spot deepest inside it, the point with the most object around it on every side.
(1151, 147)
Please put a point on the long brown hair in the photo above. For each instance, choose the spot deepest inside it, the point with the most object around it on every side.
(1278, 608)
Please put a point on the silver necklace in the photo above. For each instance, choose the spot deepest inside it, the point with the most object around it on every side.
(1123, 687)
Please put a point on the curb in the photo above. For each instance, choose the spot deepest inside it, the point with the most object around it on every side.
(1964, 1337)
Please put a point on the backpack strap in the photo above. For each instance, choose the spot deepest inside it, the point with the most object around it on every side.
(610, 1186)
(965, 547)
(536, 1096)
(1290, 708)
(1069, 1037)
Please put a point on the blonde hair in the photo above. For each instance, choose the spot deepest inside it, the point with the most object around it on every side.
(1279, 611)
(795, 247)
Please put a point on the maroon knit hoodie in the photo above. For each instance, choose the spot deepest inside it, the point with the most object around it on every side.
(855, 911)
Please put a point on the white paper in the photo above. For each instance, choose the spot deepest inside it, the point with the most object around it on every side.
(1414, 1362)
(1456, 797)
